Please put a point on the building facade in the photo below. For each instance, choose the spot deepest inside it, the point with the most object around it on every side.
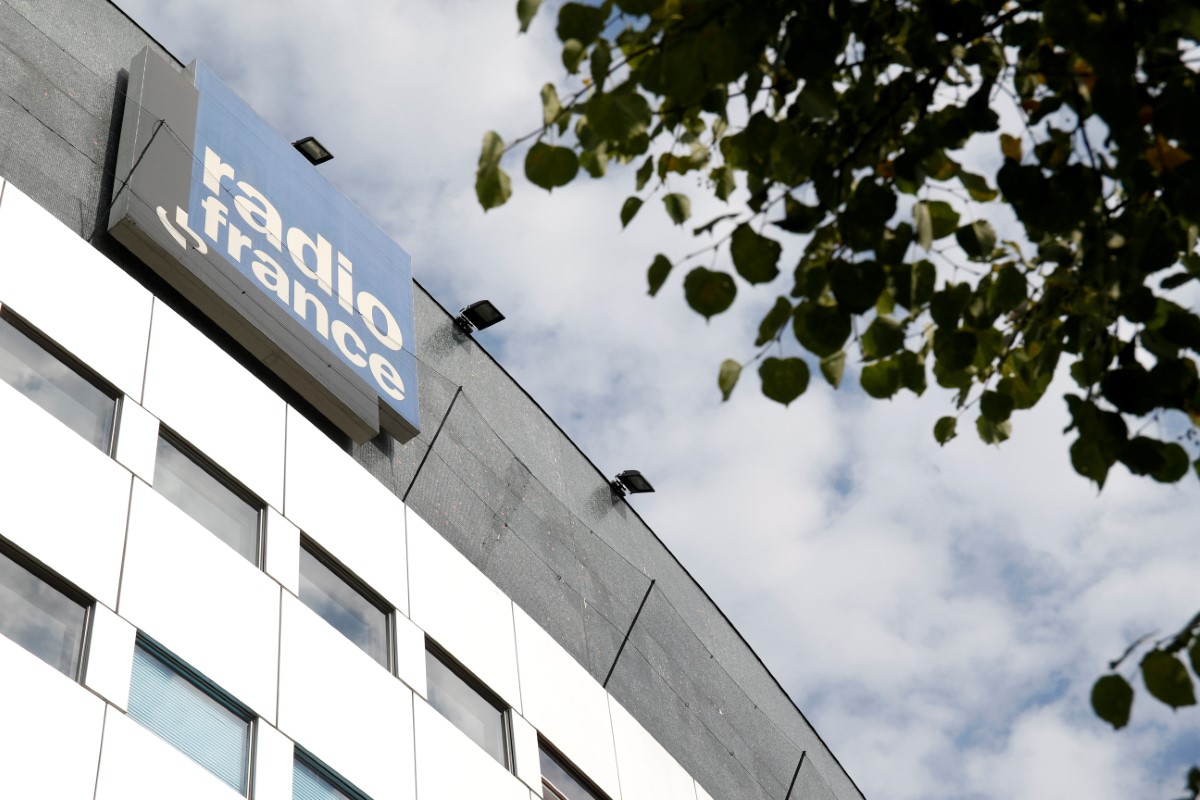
(209, 590)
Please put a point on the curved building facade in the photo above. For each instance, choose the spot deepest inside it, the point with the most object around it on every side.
(272, 525)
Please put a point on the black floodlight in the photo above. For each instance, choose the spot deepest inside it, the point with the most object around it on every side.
(631, 482)
(313, 150)
(478, 316)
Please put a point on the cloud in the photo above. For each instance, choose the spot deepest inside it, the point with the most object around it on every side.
(939, 613)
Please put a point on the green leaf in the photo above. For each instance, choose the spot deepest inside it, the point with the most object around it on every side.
(1007, 290)
(944, 429)
(526, 9)
(727, 377)
(1174, 466)
(881, 380)
(754, 256)
(629, 210)
(857, 285)
(679, 207)
(723, 182)
(978, 239)
(995, 406)
(1167, 679)
(1194, 655)
(822, 329)
(619, 115)
(579, 21)
(799, 218)
(882, 337)
(955, 350)
(783, 379)
(492, 185)
(832, 367)
(551, 107)
(550, 167)
(645, 171)
(773, 321)
(993, 432)
(572, 54)
(638, 7)
(707, 292)
(601, 61)
(1112, 700)
(660, 268)
(943, 217)
(977, 187)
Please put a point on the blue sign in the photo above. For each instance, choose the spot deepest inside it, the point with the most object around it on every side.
(320, 284)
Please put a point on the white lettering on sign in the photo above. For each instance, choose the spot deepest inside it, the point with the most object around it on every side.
(312, 258)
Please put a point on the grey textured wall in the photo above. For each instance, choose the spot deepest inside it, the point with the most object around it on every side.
(501, 481)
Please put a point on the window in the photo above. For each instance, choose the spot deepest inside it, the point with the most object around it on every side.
(194, 716)
(312, 780)
(563, 782)
(47, 376)
(345, 603)
(41, 618)
(472, 709)
(187, 480)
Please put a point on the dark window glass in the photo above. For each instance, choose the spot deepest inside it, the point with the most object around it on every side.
(40, 618)
(561, 781)
(45, 378)
(476, 715)
(343, 606)
(206, 498)
(310, 782)
(191, 718)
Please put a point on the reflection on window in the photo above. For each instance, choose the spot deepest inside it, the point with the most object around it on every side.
(41, 374)
(561, 782)
(207, 498)
(312, 782)
(40, 618)
(197, 720)
(344, 606)
(480, 717)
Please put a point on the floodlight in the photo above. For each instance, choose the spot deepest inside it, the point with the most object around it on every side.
(631, 482)
(478, 316)
(313, 150)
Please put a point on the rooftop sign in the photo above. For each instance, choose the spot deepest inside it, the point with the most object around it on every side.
(242, 225)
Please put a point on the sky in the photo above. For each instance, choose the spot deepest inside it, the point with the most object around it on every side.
(939, 614)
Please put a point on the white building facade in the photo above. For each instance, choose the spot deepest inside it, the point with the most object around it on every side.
(208, 591)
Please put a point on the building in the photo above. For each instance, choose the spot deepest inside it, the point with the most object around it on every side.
(236, 589)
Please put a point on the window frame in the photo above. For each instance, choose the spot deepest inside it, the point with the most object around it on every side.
(569, 766)
(34, 334)
(325, 773)
(206, 686)
(490, 697)
(46, 575)
(221, 476)
(360, 587)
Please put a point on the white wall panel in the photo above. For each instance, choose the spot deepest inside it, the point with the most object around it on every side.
(50, 730)
(64, 501)
(341, 706)
(137, 765)
(462, 610)
(73, 294)
(201, 393)
(137, 439)
(197, 597)
(566, 704)
(648, 772)
(528, 765)
(410, 654)
(110, 656)
(451, 766)
(345, 510)
(273, 756)
(283, 551)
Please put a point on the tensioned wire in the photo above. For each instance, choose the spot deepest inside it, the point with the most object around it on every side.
(534, 551)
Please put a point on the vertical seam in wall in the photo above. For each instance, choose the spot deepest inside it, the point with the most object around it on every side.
(283, 492)
(612, 729)
(3, 183)
(125, 544)
(795, 775)
(100, 754)
(407, 573)
(279, 657)
(146, 363)
(517, 658)
(412, 696)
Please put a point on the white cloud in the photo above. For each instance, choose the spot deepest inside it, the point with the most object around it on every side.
(939, 614)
